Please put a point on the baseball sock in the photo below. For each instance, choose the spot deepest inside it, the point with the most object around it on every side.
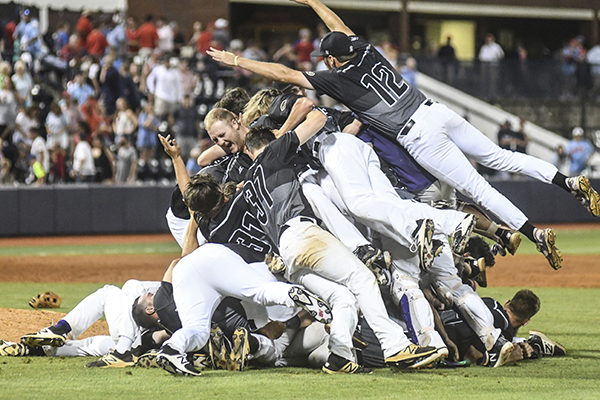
(527, 230)
(561, 181)
(61, 327)
(504, 234)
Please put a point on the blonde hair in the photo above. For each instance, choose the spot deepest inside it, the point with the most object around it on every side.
(258, 105)
(217, 114)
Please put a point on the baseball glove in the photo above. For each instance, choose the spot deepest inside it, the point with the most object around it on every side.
(46, 300)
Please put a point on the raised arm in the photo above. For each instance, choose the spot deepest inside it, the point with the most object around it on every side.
(312, 124)
(272, 71)
(211, 154)
(300, 110)
(329, 18)
(172, 149)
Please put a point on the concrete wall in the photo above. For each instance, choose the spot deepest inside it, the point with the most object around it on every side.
(97, 209)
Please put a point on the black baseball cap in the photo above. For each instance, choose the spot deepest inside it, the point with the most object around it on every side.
(334, 44)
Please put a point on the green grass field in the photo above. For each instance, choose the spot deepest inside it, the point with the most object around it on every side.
(569, 315)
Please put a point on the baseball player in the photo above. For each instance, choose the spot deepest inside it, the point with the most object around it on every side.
(435, 136)
(273, 193)
(112, 302)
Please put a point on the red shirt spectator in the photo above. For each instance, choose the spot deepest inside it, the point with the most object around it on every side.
(303, 50)
(96, 43)
(205, 39)
(84, 25)
(9, 30)
(147, 35)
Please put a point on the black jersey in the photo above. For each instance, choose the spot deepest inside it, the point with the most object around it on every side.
(272, 189)
(229, 168)
(236, 228)
(370, 87)
(463, 336)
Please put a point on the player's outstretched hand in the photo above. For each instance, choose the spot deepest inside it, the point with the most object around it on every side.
(300, 1)
(221, 56)
(170, 145)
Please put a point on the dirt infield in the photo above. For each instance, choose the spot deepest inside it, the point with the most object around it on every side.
(518, 271)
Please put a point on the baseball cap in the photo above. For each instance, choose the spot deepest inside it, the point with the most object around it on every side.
(577, 131)
(334, 44)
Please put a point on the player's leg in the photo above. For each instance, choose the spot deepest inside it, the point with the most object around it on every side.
(306, 245)
(95, 346)
(409, 298)
(471, 307)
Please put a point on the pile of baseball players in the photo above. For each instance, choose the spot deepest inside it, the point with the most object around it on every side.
(325, 238)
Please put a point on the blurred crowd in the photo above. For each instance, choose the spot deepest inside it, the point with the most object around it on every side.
(85, 103)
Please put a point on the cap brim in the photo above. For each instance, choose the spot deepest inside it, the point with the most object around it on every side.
(317, 53)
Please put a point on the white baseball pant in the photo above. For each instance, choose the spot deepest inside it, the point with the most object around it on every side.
(303, 245)
(440, 142)
(203, 278)
(370, 197)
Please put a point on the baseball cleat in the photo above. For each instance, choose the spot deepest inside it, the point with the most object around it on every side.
(12, 349)
(316, 307)
(430, 361)
(219, 348)
(376, 260)
(546, 346)
(423, 240)
(201, 361)
(462, 233)
(45, 337)
(498, 249)
(113, 359)
(274, 263)
(582, 189)
(175, 363)
(410, 356)
(545, 240)
(238, 358)
(339, 365)
(148, 359)
(512, 242)
(499, 354)
(481, 278)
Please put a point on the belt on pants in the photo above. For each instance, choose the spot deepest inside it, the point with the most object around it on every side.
(408, 126)
(302, 219)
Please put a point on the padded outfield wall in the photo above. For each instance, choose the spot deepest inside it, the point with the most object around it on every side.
(101, 209)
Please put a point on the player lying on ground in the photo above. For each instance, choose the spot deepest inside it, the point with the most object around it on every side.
(437, 138)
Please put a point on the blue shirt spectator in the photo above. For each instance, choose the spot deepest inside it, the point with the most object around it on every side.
(579, 151)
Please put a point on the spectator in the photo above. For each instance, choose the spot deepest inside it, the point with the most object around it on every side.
(165, 86)
(60, 38)
(72, 49)
(178, 39)
(205, 39)
(303, 47)
(8, 108)
(23, 84)
(185, 126)
(57, 128)
(57, 173)
(409, 71)
(36, 175)
(110, 81)
(5, 71)
(79, 89)
(132, 35)
(83, 160)
(148, 129)
(579, 150)
(510, 140)
(447, 56)
(130, 89)
(125, 122)
(187, 78)
(593, 59)
(572, 54)
(39, 149)
(191, 165)
(196, 32)
(96, 42)
(165, 35)
(26, 119)
(117, 37)
(126, 162)
(490, 56)
(72, 112)
(147, 35)
(560, 159)
(104, 161)
(28, 33)
(84, 25)
(8, 40)
(220, 35)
